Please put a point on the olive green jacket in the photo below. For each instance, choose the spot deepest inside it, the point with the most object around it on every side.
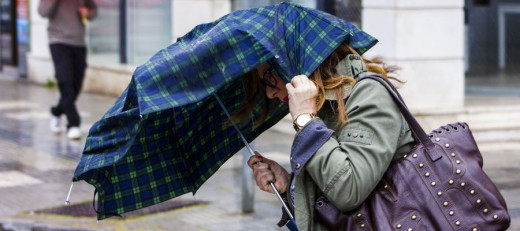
(350, 161)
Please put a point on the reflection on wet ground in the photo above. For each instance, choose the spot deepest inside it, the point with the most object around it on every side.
(24, 112)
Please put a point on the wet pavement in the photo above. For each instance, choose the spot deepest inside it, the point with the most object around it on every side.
(36, 168)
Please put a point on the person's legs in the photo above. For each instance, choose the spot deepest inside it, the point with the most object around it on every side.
(80, 64)
(62, 56)
(66, 103)
(57, 52)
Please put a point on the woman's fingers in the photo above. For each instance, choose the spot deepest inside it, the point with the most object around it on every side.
(302, 95)
(298, 80)
(267, 171)
(254, 159)
(263, 176)
(290, 88)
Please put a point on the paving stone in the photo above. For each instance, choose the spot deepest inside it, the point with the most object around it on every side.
(16, 178)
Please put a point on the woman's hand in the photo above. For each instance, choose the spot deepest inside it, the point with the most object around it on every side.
(267, 171)
(302, 96)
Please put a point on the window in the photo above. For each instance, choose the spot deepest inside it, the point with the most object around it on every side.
(129, 31)
(149, 28)
(103, 33)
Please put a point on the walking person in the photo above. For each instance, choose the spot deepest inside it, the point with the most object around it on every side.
(66, 33)
(347, 133)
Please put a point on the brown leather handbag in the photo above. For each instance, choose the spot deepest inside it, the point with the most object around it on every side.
(438, 185)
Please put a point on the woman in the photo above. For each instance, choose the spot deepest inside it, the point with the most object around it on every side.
(347, 133)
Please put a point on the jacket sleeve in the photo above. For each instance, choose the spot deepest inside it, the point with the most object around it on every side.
(47, 8)
(348, 166)
(93, 10)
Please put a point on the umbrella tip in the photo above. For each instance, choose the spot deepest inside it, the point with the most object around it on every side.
(67, 202)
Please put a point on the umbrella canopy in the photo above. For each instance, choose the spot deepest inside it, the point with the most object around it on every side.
(165, 135)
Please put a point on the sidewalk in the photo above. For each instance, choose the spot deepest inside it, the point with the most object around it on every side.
(36, 167)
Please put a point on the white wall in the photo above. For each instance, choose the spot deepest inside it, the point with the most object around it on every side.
(38, 39)
(426, 39)
(39, 63)
(189, 13)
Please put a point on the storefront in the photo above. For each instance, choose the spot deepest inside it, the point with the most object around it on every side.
(7, 33)
(127, 32)
(349, 10)
(492, 47)
(123, 35)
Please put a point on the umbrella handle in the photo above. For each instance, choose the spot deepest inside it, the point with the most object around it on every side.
(252, 154)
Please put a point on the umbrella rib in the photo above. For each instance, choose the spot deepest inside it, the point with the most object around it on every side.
(252, 154)
(235, 125)
(193, 190)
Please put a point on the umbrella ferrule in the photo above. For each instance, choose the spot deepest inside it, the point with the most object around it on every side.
(67, 202)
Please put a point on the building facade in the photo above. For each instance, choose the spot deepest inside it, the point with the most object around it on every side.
(427, 39)
(125, 34)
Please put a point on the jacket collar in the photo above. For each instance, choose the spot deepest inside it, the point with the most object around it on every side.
(352, 65)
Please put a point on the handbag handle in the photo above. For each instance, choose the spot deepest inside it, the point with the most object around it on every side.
(420, 136)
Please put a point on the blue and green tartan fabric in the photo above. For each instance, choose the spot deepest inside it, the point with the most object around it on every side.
(166, 134)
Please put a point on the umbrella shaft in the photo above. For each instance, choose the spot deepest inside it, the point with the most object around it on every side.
(281, 200)
(235, 125)
(253, 153)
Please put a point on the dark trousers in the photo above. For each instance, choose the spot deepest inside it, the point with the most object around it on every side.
(69, 65)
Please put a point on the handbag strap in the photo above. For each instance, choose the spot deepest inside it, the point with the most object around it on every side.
(420, 136)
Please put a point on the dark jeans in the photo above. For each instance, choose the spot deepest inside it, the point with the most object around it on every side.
(69, 65)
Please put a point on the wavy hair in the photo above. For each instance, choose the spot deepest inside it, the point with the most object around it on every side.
(325, 77)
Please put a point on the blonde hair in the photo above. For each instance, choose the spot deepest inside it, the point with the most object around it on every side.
(325, 77)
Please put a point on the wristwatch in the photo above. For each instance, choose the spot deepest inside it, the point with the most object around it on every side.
(302, 119)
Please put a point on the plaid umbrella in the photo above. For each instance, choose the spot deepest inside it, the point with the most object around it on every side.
(165, 135)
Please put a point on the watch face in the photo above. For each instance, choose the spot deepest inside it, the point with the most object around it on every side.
(303, 119)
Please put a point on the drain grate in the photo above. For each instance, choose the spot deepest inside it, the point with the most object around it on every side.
(86, 209)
